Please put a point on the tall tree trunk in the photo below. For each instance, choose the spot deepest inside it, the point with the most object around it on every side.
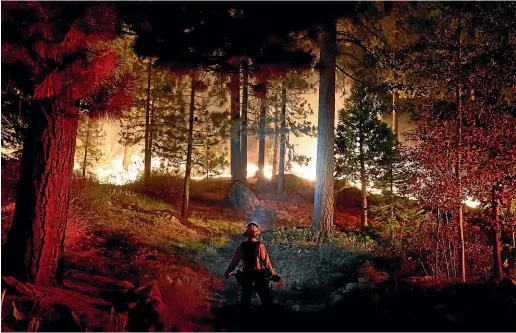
(276, 144)
(243, 140)
(188, 168)
(497, 245)
(236, 158)
(323, 198)
(261, 140)
(127, 156)
(86, 146)
(152, 132)
(283, 138)
(363, 181)
(34, 248)
(395, 117)
(147, 160)
(462, 256)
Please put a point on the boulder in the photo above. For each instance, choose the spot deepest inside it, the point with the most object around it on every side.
(349, 197)
(241, 197)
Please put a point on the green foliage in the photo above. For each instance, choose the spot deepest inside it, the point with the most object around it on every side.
(362, 138)
(396, 216)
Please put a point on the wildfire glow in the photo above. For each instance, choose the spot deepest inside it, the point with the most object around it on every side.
(472, 202)
(113, 171)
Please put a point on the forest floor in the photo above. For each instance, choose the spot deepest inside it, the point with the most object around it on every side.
(122, 245)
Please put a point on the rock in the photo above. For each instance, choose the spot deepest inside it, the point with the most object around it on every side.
(351, 286)
(349, 197)
(365, 286)
(14, 286)
(296, 308)
(148, 291)
(336, 298)
(242, 198)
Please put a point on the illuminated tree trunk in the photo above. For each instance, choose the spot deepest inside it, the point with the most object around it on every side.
(127, 156)
(34, 248)
(497, 245)
(188, 168)
(363, 181)
(276, 144)
(243, 140)
(261, 141)
(236, 159)
(152, 133)
(283, 138)
(86, 146)
(323, 198)
(147, 159)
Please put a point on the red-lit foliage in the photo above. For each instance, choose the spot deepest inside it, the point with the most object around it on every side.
(54, 55)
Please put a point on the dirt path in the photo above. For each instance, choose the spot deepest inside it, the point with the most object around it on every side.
(229, 316)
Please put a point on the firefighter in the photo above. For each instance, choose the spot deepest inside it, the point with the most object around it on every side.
(257, 268)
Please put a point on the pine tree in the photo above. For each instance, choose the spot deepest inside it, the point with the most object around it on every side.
(52, 55)
(364, 144)
(91, 137)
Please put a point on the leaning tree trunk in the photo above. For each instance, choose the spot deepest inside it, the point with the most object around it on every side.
(147, 156)
(236, 159)
(363, 181)
(497, 245)
(34, 248)
(86, 146)
(283, 138)
(323, 198)
(243, 140)
(261, 141)
(188, 168)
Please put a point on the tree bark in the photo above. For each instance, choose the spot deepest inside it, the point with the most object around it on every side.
(363, 181)
(462, 256)
(188, 168)
(323, 198)
(86, 146)
(497, 245)
(127, 156)
(243, 140)
(236, 158)
(34, 248)
(261, 140)
(152, 132)
(275, 147)
(283, 138)
(147, 160)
